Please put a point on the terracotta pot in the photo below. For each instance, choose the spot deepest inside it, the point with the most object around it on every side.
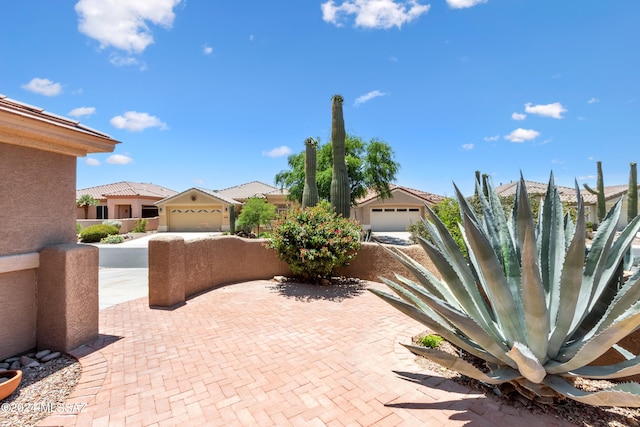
(8, 387)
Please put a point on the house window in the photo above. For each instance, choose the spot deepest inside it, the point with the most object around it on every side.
(401, 210)
(414, 210)
(389, 210)
(149, 211)
(102, 212)
(376, 210)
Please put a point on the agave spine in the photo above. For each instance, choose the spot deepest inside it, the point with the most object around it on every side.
(310, 193)
(340, 188)
(531, 300)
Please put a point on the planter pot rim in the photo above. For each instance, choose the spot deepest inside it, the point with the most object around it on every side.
(8, 387)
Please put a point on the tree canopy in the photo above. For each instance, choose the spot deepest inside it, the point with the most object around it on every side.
(369, 165)
(255, 212)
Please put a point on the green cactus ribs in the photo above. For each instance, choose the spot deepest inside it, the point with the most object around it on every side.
(310, 196)
(340, 194)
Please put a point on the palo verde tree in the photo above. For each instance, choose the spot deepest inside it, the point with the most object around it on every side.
(255, 212)
(85, 201)
(370, 165)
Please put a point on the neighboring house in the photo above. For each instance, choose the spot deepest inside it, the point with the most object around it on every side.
(568, 195)
(199, 209)
(48, 283)
(124, 200)
(405, 206)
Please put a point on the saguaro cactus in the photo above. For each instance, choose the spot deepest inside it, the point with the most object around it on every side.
(601, 203)
(632, 193)
(340, 189)
(310, 193)
(232, 219)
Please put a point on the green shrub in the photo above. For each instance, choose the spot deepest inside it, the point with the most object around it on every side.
(116, 224)
(95, 233)
(141, 226)
(431, 340)
(78, 228)
(112, 239)
(315, 241)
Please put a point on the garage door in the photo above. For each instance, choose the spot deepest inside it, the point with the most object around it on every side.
(393, 219)
(190, 219)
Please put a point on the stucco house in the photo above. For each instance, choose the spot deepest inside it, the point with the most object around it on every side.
(568, 195)
(199, 209)
(124, 199)
(48, 283)
(405, 205)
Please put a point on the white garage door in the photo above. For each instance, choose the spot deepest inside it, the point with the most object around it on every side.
(393, 219)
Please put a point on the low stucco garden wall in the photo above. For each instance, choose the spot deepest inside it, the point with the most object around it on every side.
(179, 269)
(128, 224)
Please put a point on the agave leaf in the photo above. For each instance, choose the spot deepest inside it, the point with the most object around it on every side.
(625, 299)
(446, 333)
(571, 282)
(618, 370)
(430, 282)
(552, 246)
(581, 352)
(494, 283)
(457, 364)
(536, 315)
(461, 283)
(528, 364)
(626, 394)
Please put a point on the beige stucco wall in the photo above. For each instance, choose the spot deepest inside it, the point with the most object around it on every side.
(17, 312)
(179, 269)
(400, 199)
(35, 191)
(127, 224)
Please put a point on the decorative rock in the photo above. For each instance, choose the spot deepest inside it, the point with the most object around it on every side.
(12, 359)
(28, 362)
(41, 354)
(4, 366)
(15, 365)
(51, 356)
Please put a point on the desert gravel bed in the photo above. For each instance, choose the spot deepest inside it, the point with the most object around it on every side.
(42, 391)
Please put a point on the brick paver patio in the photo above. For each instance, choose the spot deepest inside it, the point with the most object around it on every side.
(264, 353)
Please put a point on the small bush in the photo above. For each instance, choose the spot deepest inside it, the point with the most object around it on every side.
(112, 239)
(141, 226)
(431, 340)
(78, 228)
(315, 241)
(95, 233)
(116, 224)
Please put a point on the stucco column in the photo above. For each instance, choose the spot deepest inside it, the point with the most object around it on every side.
(67, 296)
(166, 272)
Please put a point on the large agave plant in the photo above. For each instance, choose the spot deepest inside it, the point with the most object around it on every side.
(531, 300)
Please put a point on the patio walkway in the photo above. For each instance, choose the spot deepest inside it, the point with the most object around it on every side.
(265, 353)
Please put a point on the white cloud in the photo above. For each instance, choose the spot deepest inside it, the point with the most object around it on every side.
(43, 87)
(467, 147)
(92, 162)
(593, 101)
(278, 152)
(123, 24)
(374, 13)
(119, 159)
(491, 138)
(518, 116)
(123, 61)
(136, 122)
(522, 135)
(82, 111)
(368, 97)
(207, 50)
(461, 4)
(554, 110)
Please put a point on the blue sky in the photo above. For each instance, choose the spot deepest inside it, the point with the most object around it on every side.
(216, 93)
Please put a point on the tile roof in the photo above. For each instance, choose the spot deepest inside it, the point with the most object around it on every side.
(567, 194)
(127, 188)
(26, 110)
(251, 189)
(427, 197)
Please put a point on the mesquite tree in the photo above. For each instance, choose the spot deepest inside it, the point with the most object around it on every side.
(340, 189)
(310, 193)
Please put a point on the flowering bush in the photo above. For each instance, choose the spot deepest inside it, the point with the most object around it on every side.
(314, 241)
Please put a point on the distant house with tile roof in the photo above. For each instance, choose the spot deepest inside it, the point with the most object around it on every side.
(406, 205)
(612, 193)
(124, 199)
(199, 209)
